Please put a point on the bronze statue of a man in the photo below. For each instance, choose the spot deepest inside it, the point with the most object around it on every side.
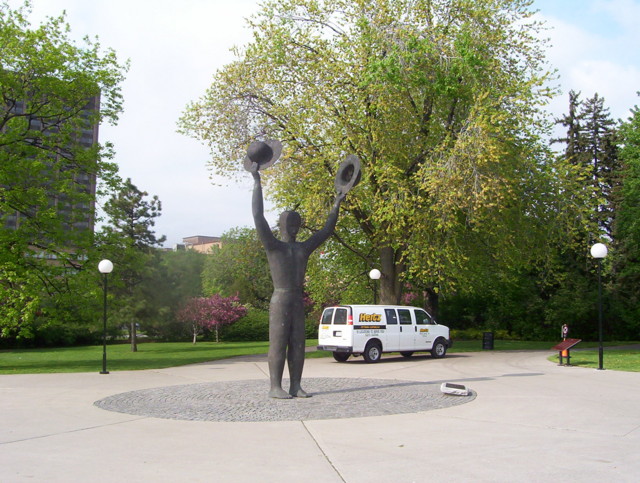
(288, 263)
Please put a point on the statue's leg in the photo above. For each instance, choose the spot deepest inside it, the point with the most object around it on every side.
(279, 325)
(296, 352)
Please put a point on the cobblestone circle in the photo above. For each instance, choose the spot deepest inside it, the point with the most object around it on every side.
(332, 398)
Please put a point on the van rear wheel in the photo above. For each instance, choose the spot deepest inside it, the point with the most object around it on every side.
(341, 356)
(372, 351)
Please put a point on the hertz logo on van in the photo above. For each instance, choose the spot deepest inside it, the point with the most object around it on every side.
(370, 318)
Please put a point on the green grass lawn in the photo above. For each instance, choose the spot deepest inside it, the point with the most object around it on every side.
(613, 359)
(160, 355)
(120, 358)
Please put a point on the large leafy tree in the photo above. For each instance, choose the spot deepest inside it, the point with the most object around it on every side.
(48, 87)
(239, 266)
(130, 241)
(440, 100)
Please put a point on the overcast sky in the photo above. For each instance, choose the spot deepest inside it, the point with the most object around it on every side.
(176, 46)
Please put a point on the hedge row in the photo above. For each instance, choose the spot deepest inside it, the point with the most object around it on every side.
(255, 327)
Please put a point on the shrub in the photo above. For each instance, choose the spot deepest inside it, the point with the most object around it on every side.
(252, 327)
(311, 327)
(476, 334)
(255, 327)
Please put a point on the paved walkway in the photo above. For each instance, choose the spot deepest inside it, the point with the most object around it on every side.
(528, 420)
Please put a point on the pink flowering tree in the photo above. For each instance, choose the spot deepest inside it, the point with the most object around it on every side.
(211, 312)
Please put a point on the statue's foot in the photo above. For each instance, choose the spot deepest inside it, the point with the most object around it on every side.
(299, 393)
(279, 393)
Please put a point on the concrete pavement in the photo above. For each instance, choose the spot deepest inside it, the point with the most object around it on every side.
(531, 420)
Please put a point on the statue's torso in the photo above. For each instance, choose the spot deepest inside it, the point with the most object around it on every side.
(288, 263)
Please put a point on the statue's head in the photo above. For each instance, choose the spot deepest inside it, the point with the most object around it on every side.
(290, 222)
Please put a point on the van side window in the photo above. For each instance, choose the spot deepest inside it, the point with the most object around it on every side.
(405, 316)
(392, 318)
(326, 316)
(422, 317)
(341, 317)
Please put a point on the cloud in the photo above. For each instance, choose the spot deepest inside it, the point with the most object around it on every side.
(625, 12)
(617, 84)
(597, 60)
(174, 49)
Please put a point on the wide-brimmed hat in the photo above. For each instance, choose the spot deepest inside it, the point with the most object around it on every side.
(349, 174)
(265, 153)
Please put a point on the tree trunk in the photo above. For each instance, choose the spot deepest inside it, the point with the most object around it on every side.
(132, 337)
(195, 336)
(217, 335)
(391, 268)
(433, 303)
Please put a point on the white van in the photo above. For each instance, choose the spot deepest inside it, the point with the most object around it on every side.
(370, 330)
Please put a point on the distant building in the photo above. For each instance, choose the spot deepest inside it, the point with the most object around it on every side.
(201, 244)
(83, 181)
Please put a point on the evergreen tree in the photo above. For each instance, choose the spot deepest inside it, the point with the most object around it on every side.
(573, 122)
(591, 143)
(600, 137)
(626, 263)
(130, 242)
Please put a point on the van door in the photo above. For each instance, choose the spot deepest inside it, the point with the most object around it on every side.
(424, 335)
(393, 331)
(334, 330)
(341, 332)
(407, 330)
(324, 330)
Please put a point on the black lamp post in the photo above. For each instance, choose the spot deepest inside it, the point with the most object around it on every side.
(104, 267)
(375, 275)
(599, 251)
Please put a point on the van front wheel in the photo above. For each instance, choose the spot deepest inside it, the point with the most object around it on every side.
(372, 352)
(439, 349)
(341, 356)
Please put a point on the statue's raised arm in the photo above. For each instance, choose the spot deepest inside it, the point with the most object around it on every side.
(261, 155)
(262, 227)
(347, 177)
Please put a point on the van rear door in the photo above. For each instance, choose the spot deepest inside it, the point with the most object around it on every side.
(334, 330)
